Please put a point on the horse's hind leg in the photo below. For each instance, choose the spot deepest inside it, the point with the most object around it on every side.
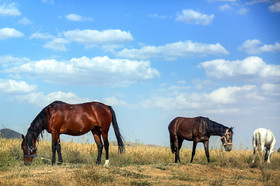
(180, 142)
(97, 137)
(254, 154)
(106, 145)
(175, 147)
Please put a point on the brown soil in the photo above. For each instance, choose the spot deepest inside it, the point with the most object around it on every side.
(171, 174)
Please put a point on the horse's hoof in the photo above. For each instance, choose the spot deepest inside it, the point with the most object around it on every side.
(60, 162)
(106, 165)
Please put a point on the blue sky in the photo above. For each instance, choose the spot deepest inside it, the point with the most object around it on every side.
(151, 60)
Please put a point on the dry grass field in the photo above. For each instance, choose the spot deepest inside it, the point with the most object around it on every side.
(140, 165)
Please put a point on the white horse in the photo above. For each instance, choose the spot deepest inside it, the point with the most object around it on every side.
(263, 138)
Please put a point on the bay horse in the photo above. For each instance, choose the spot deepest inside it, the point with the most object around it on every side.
(72, 119)
(198, 129)
(263, 138)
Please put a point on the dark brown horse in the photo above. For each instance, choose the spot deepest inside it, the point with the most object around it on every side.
(62, 118)
(198, 129)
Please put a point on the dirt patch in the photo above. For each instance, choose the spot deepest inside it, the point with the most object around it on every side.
(174, 174)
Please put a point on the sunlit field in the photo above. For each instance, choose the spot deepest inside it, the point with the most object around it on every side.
(140, 165)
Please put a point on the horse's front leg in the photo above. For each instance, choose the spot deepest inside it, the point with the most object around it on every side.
(194, 148)
(206, 148)
(56, 147)
(53, 151)
(60, 161)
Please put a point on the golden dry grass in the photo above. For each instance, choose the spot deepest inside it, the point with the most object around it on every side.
(140, 165)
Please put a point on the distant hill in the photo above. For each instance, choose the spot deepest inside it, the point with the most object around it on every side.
(9, 134)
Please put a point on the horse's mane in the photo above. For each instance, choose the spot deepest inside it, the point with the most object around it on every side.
(39, 124)
(215, 127)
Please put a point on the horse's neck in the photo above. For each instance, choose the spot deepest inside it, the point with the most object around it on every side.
(217, 129)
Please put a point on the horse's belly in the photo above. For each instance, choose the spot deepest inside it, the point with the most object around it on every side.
(75, 129)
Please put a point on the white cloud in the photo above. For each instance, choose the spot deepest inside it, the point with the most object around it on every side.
(38, 35)
(182, 100)
(275, 7)
(172, 51)
(48, 1)
(113, 101)
(78, 18)
(9, 10)
(271, 89)
(7, 33)
(251, 68)
(225, 7)
(193, 17)
(12, 86)
(57, 44)
(8, 60)
(254, 47)
(158, 16)
(40, 99)
(230, 95)
(243, 11)
(89, 71)
(246, 99)
(92, 38)
(24, 21)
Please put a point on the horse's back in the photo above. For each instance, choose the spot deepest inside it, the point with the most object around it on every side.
(263, 136)
(78, 119)
(184, 127)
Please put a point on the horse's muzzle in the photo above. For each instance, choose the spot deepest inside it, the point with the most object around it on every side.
(27, 163)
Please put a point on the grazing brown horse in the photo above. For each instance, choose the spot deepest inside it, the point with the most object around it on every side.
(198, 129)
(62, 118)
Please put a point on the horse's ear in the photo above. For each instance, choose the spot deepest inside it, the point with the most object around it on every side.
(22, 136)
(231, 129)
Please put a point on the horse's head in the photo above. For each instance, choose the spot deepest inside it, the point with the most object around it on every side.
(29, 152)
(227, 139)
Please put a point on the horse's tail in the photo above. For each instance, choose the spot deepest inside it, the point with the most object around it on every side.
(256, 140)
(173, 135)
(117, 131)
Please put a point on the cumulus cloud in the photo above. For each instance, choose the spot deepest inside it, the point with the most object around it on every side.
(39, 35)
(12, 86)
(40, 99)
(78, 18)
(193, 17)
(9, 10)
(225, 7)
(57, 44)
(113, 101)
(9, 61)
(249, 99)
(243, 11)
(92, 38)
(106, 39)
(271, 89)
(24, 21)
(254, 47)
(228, 95)
(101, 71)
(250, 68)
(172, 51)
(7, 33)
(275, 7)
